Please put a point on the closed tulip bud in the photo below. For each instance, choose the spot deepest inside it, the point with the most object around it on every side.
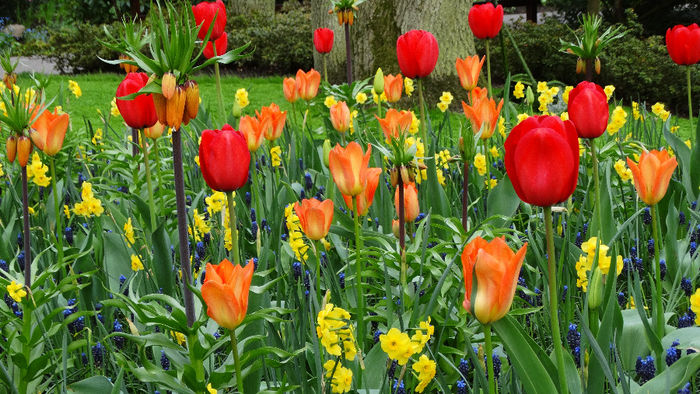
(529, 95)
(340, 17)
(597, 65)
(588, 109)
(350, 17)
(11, 148)
(168, 85)
(485, 20)
(160, 104)
(340, 116)
(326, 151)
(289, 86)
(236, 110)
(393, 87)
(379, 81)
(155, 131)
(417, 53)
(225, 291)
(683, 44)
(210, 14)
(140, 111)
(315, 217)
(461, 146)
(307, 84)
(394, 176)
(191, 99)
(595, 289)
(395, 227)
(411, 208)
(176, 108)
(24, 149)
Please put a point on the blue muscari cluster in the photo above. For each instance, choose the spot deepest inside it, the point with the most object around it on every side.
(685, 389)
(693, 248)
(398, 388)
(321, 191)
(650, 247)
(621, 299)
(308, 181)
(20, 260)
(98, 308)
(20, 242)
(68, 234)
(392, 369)
(125, 289)
(341, 280)
(296, 270)
(461, 387)
(98, 354)
(673, 353)
(687, 287)
(496, 365)
(646, 216)
(118, 339)
(464, 368)
(302, 194)
(376, 336)
(164, 361)
(645, 369)
(662, 268)
(687, 320)
(81, 179)
(4, 266)
(573, 338)
(14, 306)
(76, 325)
(579, 240)
(681, 217)
(563, 293)
(247, 198)
(307, 282)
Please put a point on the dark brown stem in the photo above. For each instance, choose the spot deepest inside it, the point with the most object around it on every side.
(182, 226)
(465, 196)
(348, 52)
(135, 142)
(27, 235)
(589, 69)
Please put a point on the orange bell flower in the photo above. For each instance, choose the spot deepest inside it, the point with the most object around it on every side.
(482, 113)
(289, 86)
(346, 166)
(468, 70)
(411, 209)
(275, 121)
(370, 180)
(496, 269)
(307, 84)
(395, 123)
(340, 116)
(51, 130)
(225, 291)
(314, 217)
(652, 175)
(393, 87)
(253, 130)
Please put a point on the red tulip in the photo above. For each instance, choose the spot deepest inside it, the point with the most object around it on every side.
(588, 109)
(204, 14)
(323, 40)
(224, 159)
(417, 52)
(221, 45)
(683, 44)
(139, 112)
(485, 20)
(542, 160)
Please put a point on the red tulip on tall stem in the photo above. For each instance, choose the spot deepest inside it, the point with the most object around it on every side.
(485, 21)
(683, 44)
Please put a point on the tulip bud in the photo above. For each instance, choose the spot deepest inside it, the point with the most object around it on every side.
(460, 144)
(11, 148)
(395, 227)
(595, 289)
(580, 66)
(175, 108)
(192, 99)
(326, 151)
(236, 110)
(160, 103)
(394, 176)
(168, 85)
(155, 131)
(597, 65)
(36, 139)
(340, 17)
(379, 82)
(529, 95)
(350, 17)
(9, 80)
(24, 149)
(405, 175)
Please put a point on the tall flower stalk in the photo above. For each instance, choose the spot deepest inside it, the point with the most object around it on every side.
(554, 300)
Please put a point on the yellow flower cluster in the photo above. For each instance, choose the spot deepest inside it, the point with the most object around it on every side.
(341, 377)
(296, 240)
(74, 88)
(445, 101)
(420, 154)
(660, 110)
(201, 226)
(353, 115)
(408, 86)
(546, 96)
(425, 368)
(361, 98)
(564, 116)
(694, 305)
(442, 160)
(400, 347)
(330, 101)
(1, 171)
(276, 156)
(480, 163)
(136, 264)
(376, 97)
(97, 137)
(129, 232)
(415, 123)
(242, 98)
(635, 111)
(491, 183)
(216, 202)
(609, 90)
(113, 109)
(16, 291)
(36, 171)
(622, 170)
(565, 95)
(619, 118)
(90, 205)
(519, 90)
(586, 260)
(522, 117)
(335, 331)
(502, 126)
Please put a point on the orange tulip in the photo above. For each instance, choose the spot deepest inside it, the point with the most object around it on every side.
(410, 202)
(289, 86)
(468, 70)
(51, 130)
(340, 116)
(395, 123)
(347, 165)
(275, 121)
(154, 132)
(369, 180)
(225, 291)
(315, 217)
(496, 269)
(652, 175)
(393, 86)
(253, 130)
(307, 84)
(482, 113)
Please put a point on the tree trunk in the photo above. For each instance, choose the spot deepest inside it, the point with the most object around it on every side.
(248, 7)
(378, 25)
(593, 7)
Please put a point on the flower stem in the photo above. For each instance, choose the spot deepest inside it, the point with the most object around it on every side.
(232, 223)
(465, 197)
(488, 67)
(59, 225)
(348, 52)
(596, 186)
(26, 238)
(147, 167)
(183, 238)
(325, 68)
(489, 358)
(553, 300)
(317, 247)
(236, 361)
(423, 126)
(690, 101)
(657, 274)
(220, 96)
(358, 270)
(256, 193)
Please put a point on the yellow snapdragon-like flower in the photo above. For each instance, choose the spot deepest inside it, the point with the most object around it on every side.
(16, 291)
(276, 156)
(425, 368)
(446, 98)
(502, 126)
(113, 109)
(74, 88)
(397, 345)
(216, 202)
(622, 170)
(480, 163)
(494, 152)
(242, 98)
(694, 305)
(542, 86)
(609, 89)
(635, 111)
(89, 204)
(136, 264)
(335, 331)
(442, 106)
(522, 117)
(408, 86)
(330, 101)
(341, 377)
(565, 95)
(659, 109)
(129, 232)
(519, 90)
(36, 171)
(361, 98)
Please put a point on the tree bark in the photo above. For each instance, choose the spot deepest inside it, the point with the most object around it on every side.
(378, 25)
(248, 7)
(593, 7)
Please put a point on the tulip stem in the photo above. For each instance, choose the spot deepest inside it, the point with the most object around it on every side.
(256, 192)
(220, 96)
(488, 66)
(690, 101)
(236, 361)
(26, 238)
(402, 230)
(183, 237)
(657, 274)
(465, 197)
(489, 358)
(232, 224)
(358, 270)
(59, 226)
(147, 167)
(156, 166)
(325, 68)
(596, 186)
(317, 247)
(553, 300)
(423, 129)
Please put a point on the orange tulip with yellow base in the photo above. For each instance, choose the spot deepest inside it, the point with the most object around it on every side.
(652, 175)
(370, 180)
(225, 291)
(393, 87)
(315, 217)
(482, 113)
(50, 131)
(395, 123)
(410, 198)
(468, 70)
(307, 84)
(347, 165)
(496, 268)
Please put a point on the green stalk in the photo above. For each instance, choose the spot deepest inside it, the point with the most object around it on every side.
(220, 96)
(236, 361)
(157, 167)
(317, 249)
(147, 166)
(196, 363)
(596, 186)
(325, 69)
(489, 358)
(554, 300)
(234, 229)
(690, 100)
(26, 232)
(657, 274)
(488, 67)
(358, 279)
(256, 191)
(59, 225)
(423, 129)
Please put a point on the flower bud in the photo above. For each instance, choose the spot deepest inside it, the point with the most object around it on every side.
(9, 80)
(405, 176)
(326, 151)
(395, 227)
(24, 149)
(394, 176)
(580, 66)
(236, 110)
(175, 108)
(11, 148)
(379, 82)
(155, 131)
(597, 65)
(529, 95)
(192, 99)
(160, 103)
(168, 85)
(595, 290)
(461, 146)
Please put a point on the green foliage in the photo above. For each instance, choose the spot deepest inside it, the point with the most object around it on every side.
(76, 48)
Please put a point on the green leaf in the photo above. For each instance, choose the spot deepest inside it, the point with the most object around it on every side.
(502, 200)
(687, 165)
(162, 260)
(93, 384)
